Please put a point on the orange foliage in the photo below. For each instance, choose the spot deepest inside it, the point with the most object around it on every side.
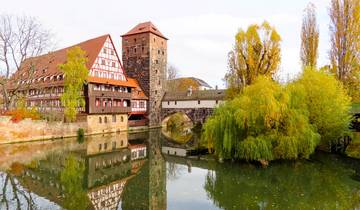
(19, 114)
(17, 169)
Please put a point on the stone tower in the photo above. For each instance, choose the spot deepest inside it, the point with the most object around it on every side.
(144, 55)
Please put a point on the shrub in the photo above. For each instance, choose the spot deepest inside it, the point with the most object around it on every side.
(80, 135)
(19, 114)
(327, 103)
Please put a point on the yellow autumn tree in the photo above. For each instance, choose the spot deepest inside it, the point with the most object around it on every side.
(309, 38)
(345, 44)
(256, 52)
(75, 74)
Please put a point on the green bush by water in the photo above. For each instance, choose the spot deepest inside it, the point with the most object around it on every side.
(268, 121)
(80, 135)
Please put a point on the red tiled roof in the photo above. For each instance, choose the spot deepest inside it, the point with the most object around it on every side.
(138, 93)
(128, 83)
(143, 28)
(50, 61)
(47, 64)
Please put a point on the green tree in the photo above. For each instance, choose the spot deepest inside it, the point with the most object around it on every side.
(265, 122)
(75, 73)
(256, 52)
(327, 103)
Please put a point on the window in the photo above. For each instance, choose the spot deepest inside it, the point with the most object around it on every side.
(105, 146)
(156, 61)
(155, 92)
(135, 40)
(142, 104)
(121, 143)
(168, 102)
(159, 52)
(105, 119)
(100, 146)
(125, 104)
(198, 101)
(216, 101)
(122, 118)
(113, 118)
(163, 52)
(113, 64)
(114, 145)
(154, 39)
(175, 102)
(142, 49)
(100, 120)
(112, 52)
(134, 50)
(159, 82)
(97, 102)
(104, 50)
(102, 62)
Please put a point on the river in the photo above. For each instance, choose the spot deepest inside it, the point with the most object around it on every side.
(135, 172)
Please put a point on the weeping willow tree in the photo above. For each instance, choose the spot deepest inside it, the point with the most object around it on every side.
(266, 122)
(269, 121)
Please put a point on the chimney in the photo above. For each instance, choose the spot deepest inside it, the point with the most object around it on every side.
(189, 92)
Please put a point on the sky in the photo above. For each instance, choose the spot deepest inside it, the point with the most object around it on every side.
(201, 33)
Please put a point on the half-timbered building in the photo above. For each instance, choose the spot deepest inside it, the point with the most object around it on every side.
(107, 91)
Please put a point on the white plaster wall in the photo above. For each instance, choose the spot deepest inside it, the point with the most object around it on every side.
(174, 151)
(190, 104)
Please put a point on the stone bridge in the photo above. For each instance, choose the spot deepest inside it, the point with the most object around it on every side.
(197, 115)
(198, 105)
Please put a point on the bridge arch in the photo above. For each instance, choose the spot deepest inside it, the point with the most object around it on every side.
(196, 115)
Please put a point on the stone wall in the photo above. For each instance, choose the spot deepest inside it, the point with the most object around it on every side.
(145, 59)
(28, 130)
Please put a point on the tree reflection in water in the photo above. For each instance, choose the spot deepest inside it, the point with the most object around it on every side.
(72, 180)
(299, 185)
(13, 195)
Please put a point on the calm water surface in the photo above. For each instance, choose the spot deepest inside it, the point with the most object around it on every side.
(133, 171)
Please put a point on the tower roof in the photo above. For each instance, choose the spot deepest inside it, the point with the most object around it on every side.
(145, 28)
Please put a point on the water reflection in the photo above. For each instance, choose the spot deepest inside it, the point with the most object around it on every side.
(139, 171)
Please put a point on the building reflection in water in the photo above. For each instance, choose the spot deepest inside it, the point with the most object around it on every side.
(120, 172)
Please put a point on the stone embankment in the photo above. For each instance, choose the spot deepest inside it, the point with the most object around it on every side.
(31, 130)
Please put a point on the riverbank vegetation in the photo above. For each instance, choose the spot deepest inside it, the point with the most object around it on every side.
(269, 121)
(265, 120)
